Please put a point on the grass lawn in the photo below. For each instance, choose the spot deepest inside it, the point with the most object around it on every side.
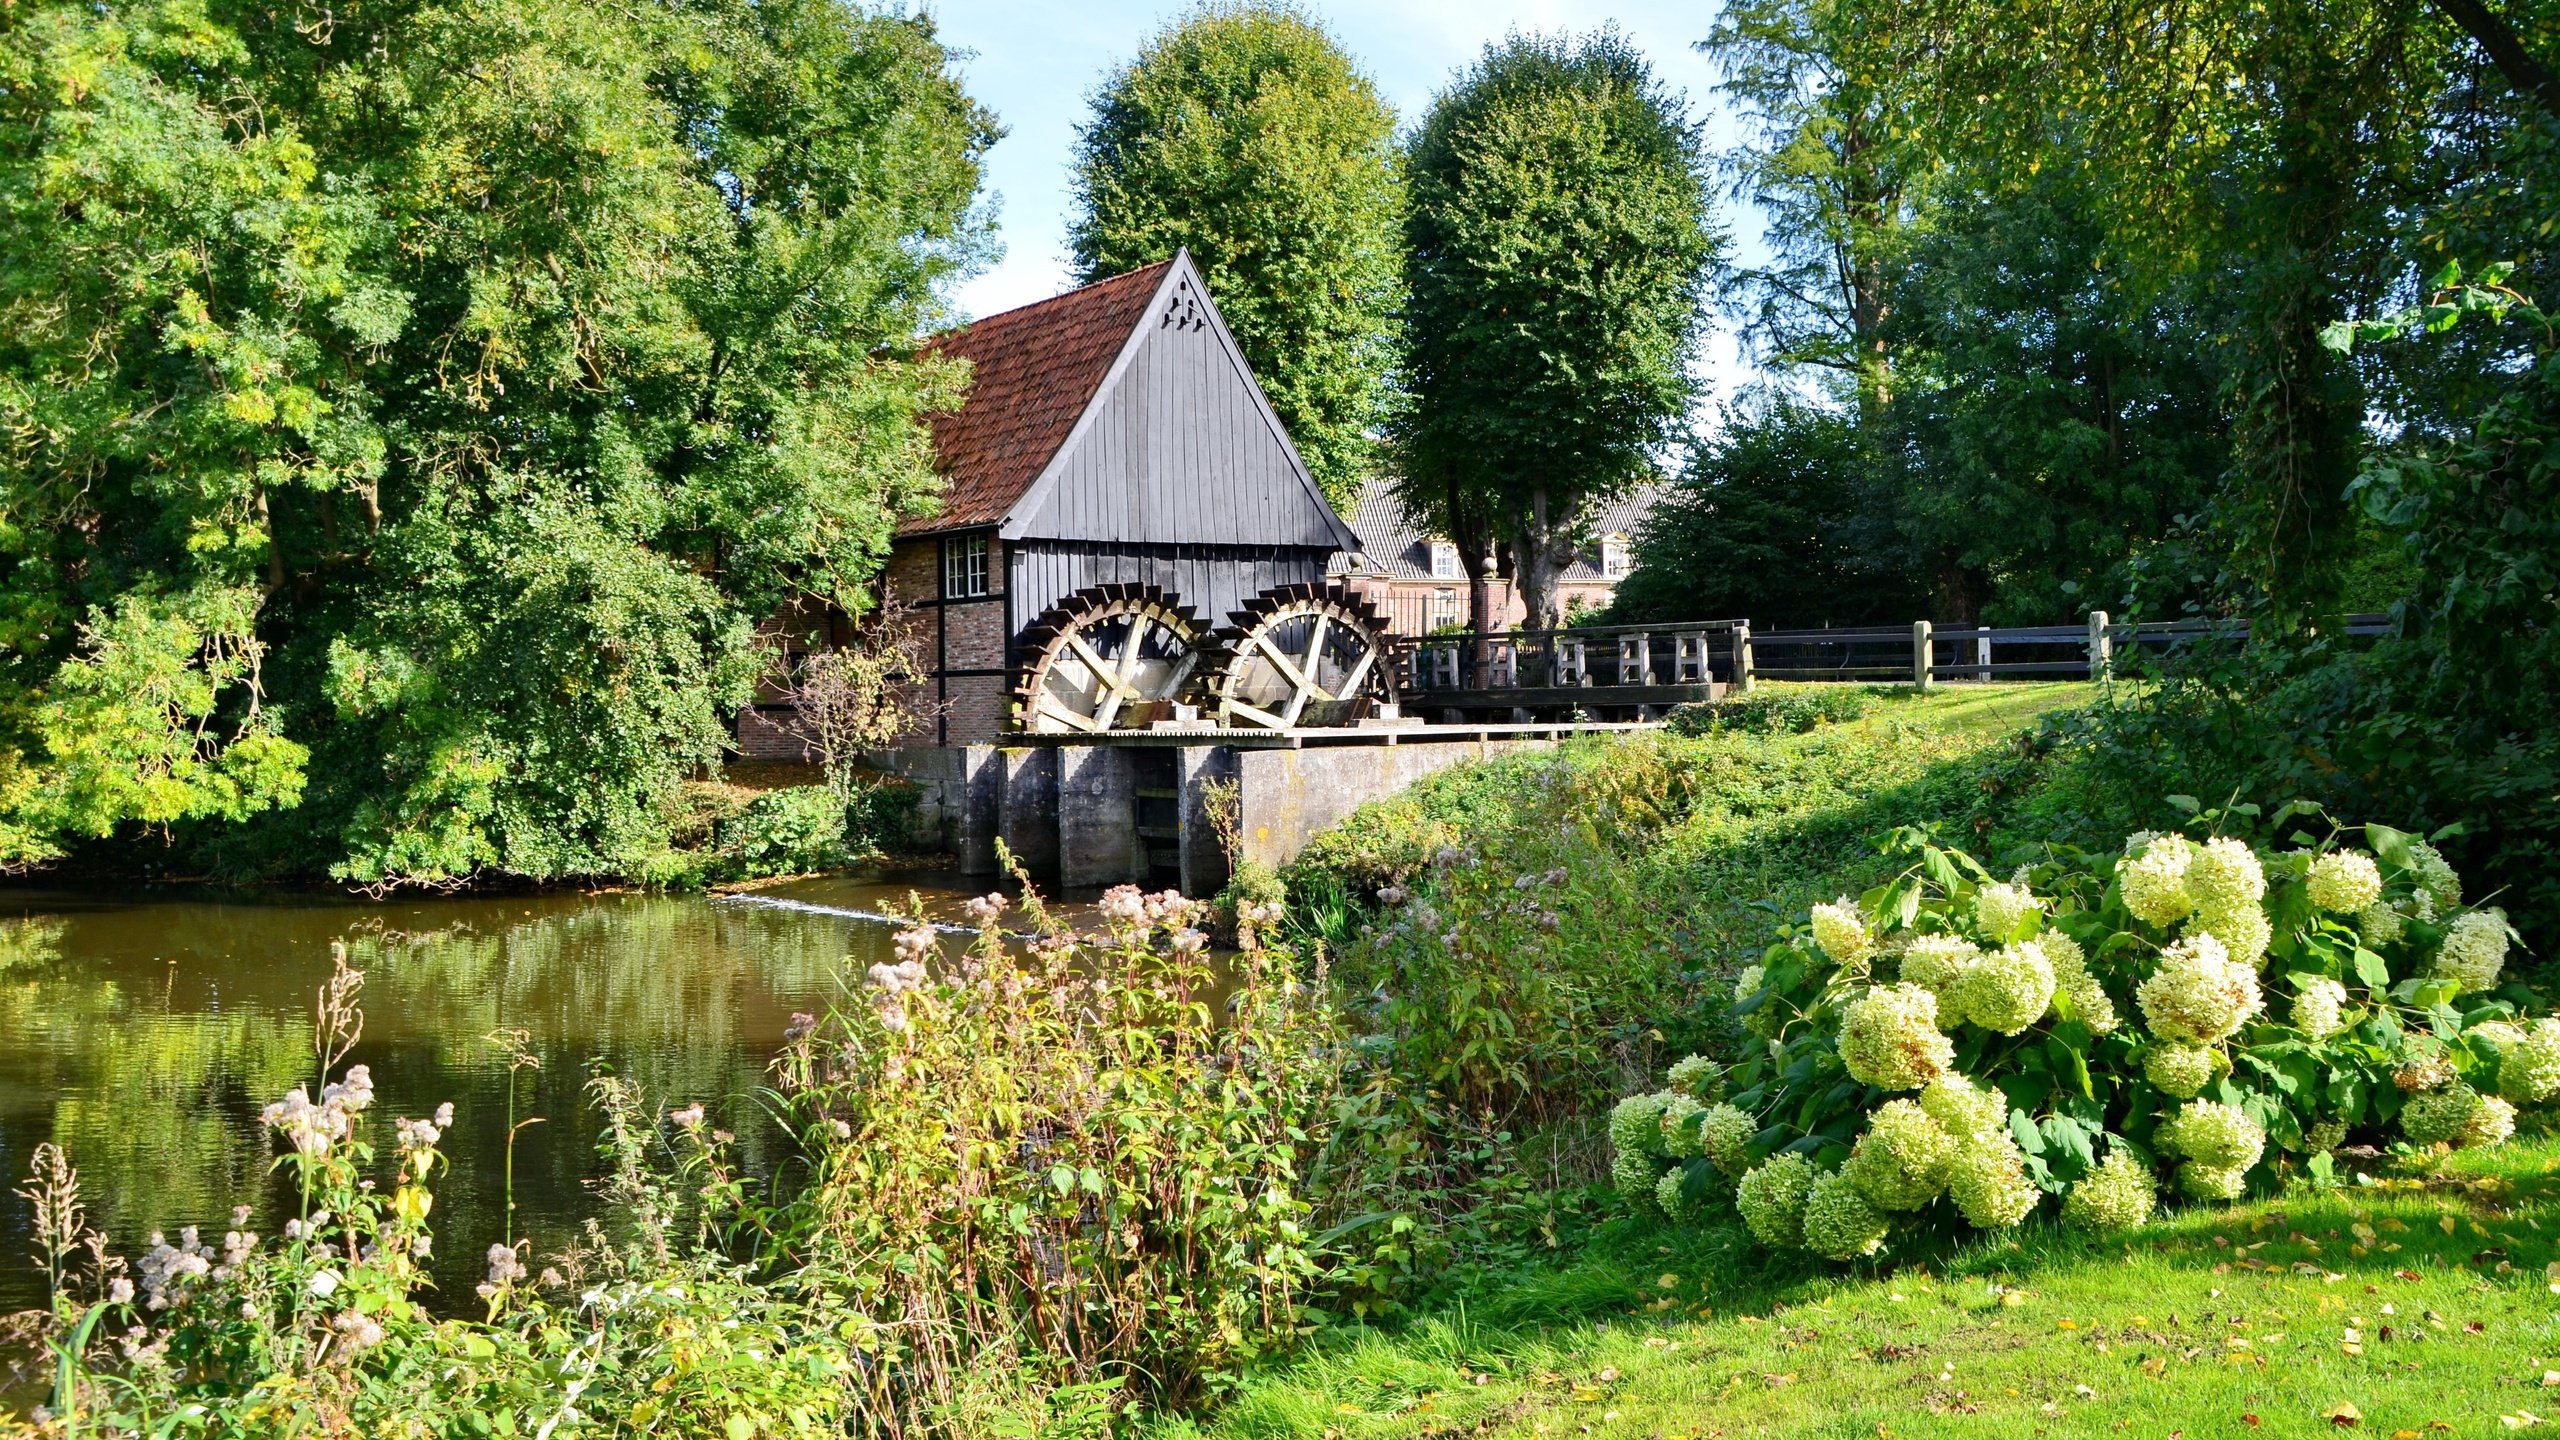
(2414, 1306)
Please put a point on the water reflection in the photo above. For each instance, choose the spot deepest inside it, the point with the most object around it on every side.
(144, 1033)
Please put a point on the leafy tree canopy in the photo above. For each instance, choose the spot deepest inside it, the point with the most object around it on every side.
(1245, 133)
(406, 410)
(1557, 250)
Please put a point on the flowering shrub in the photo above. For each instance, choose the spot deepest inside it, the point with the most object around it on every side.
(2279, 1003)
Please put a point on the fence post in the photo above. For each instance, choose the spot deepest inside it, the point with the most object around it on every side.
(1921, 673)
(1742, 656)
(2102, 647)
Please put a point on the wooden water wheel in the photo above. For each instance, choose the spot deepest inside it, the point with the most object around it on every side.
(1110, 657)
(1301, 655)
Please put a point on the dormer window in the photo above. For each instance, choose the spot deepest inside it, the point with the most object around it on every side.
(1444, 561)
(1614, 562)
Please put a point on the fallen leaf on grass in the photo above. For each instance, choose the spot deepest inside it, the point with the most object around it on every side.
(2344, 1415)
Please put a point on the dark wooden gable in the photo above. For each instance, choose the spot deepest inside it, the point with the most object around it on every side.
(1178, 446)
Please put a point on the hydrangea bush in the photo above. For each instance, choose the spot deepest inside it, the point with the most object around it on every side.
(2191, 1016)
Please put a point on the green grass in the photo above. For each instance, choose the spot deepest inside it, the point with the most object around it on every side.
(2257, 1319)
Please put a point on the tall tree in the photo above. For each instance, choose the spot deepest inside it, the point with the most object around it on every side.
(2054, 421)
(1834, 163)
(1243, 131)
(1557, 248)
(409, 409)
(2269, 146)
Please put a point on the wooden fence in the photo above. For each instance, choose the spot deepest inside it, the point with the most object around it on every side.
(1654, 664)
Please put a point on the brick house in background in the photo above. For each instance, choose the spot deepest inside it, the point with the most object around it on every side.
(1416, 580)
(1113, 437)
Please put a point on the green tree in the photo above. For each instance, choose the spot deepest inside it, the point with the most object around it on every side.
(1244, 132)
(2270, 149)
(1557, 248)
(2054, 422)
(1834, 163)
(1776, 519)
(445, 390)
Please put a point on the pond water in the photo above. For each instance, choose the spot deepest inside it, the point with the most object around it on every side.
(143, 1032)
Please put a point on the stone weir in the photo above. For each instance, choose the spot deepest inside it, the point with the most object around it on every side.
(1169, 805)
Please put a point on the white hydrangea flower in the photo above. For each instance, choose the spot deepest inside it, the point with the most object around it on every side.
(2377, 925)
(1839, 1223)
(1635, 1124)
(1635, 1177)
(2074, 985)
(1679, 1139)
(1890, 1038)
(2435, 877)
(2343, 881)
(2224, 875)
(1989, 1183)
(2007, 990)
(1936, 962)
(2474, 949)
(1696, 1077)
(2243, 930)
(2007, 912)
(2153, 880)
(2529, 1070)
(2199, 995)
(1668, 1194)
(2213, 1182)
(1840, 928)
(2493, 1124)
(1724, 1137)
(2212, 1134)
(2319, 1008)
(2178, 1071)
(1902, 1160)
(2439, 1117)
(1964, 1109)
(2118, 1195)
(1772, 1197)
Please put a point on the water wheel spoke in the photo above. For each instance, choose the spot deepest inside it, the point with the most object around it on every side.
(1281, 660)
(1101, 668)
(1358, 672)
(1050, 706)
(1256, 714)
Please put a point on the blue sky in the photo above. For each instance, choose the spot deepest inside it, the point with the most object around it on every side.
(1035, 61)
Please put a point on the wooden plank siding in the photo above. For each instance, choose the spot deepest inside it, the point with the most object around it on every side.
(1212, 580)
(1178, 447)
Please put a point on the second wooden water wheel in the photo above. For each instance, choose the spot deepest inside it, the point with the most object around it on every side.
(1300, 655)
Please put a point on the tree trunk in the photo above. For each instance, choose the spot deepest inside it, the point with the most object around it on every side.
(1469, 532)
(2530, 76)
(1541, 547)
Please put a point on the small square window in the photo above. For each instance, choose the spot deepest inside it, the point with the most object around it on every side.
(964, 567)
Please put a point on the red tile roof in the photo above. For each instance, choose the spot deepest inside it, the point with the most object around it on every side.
(1034, 369)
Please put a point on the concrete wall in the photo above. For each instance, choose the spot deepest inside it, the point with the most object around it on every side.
(1069, 813)
(1285, 796)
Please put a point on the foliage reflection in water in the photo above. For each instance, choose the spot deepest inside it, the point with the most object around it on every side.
(143, 1034)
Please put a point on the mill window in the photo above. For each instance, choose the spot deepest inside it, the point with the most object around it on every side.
(964, 567)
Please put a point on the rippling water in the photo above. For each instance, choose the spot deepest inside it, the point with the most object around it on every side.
(143, 1032)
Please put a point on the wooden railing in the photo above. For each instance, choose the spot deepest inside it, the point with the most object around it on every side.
(1730, 652)
(1599, 657)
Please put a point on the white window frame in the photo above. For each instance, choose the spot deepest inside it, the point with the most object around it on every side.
(1615, 562)
(964, 567)
(1444, 562)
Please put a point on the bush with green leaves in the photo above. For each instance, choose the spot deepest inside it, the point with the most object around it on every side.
(1951, 1049)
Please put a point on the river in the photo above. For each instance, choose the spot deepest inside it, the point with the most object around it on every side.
(143, 1032)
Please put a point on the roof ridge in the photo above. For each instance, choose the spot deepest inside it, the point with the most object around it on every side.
(1085, 289)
